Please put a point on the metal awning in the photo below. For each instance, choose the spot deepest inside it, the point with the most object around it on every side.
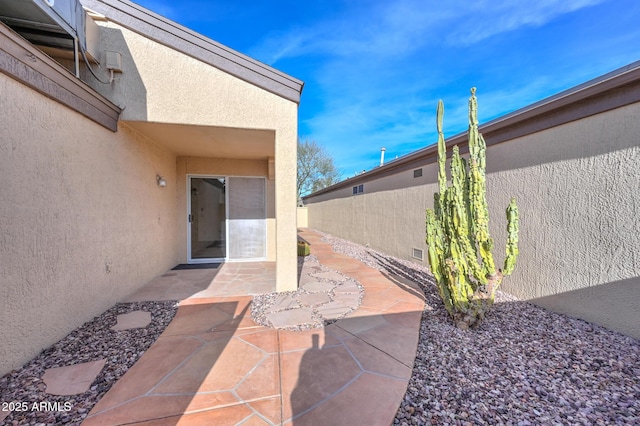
(51, 23)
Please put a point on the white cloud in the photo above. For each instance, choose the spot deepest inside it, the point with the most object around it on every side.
(486, 18)
(381, 69)
(283, 45)
(401, 27)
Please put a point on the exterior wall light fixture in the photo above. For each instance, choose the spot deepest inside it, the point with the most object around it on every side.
(162, 182)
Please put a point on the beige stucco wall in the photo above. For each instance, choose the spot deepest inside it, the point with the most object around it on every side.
(303, 217)
(577, 187)
(82, 220)
(160, 84)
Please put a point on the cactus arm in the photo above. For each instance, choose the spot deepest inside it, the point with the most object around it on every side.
(437, 256)
(442, 152)
(477, 185)
(512, 238)
(434, 242)
(473, 124)
(482, 155)
(460, 197)
(447, 286)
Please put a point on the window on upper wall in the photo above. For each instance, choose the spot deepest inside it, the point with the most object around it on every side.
(358, 189)
(417, 173)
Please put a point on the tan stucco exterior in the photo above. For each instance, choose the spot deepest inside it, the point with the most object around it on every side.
(303, 217)
(83, 221)
(75, 239)
(198, 111)
(577, 190)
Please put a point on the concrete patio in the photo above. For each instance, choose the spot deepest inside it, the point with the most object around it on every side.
(215, 365)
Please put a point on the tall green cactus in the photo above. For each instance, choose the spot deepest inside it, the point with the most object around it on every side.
(458, 230)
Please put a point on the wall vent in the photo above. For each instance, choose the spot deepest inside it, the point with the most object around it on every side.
(417, 253)
(417, 173)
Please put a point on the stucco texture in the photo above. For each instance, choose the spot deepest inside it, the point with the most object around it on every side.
(161, 85)
(302, 217)
(83, 222)
(577, 189)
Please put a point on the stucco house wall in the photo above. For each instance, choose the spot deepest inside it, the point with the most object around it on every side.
(577, 188)
(68, 251)
(192, 92)
(83, 221)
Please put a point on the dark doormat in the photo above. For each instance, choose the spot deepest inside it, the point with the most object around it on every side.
(196, 266)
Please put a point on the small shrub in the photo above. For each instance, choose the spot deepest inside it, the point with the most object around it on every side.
(303, 249)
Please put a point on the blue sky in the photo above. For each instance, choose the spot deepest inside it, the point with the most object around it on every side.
(374, 70)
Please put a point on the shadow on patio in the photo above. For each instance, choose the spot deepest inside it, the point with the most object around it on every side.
(212, 365)
(354, 371)
(215, 365)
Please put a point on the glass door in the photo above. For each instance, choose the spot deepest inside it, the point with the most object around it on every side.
(207, 217)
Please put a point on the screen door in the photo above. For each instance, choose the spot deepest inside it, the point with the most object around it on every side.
(246, 218)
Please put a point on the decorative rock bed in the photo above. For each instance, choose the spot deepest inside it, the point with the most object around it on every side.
(25, 393)
(524, 365)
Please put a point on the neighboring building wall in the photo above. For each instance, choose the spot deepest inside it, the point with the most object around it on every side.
(577, 187)
(83, 222)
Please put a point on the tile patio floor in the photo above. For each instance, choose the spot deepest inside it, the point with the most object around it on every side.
(214, 365)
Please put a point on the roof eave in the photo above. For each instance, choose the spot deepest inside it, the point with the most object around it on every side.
(191, 43)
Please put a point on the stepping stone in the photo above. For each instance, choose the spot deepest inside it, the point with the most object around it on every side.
(72, 380)
(347, 287)
(291, 318)
(305, 279)
(333, 310)
(331, 275)
(317, 287)
(135, 319)
(314, 299)
(313, 269)
(284, 301)
(348, 299)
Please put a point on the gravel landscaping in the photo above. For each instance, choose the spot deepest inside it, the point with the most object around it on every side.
(523, 366)
(311, 271)
(91, 342)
